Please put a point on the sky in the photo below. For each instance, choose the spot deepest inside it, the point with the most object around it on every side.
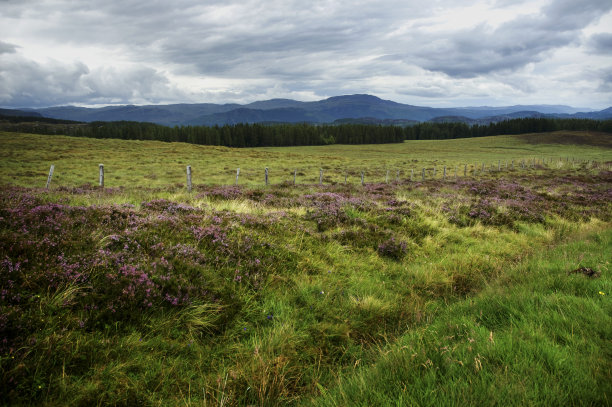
(439, 53)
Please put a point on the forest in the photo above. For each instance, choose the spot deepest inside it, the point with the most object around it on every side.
(301, 134)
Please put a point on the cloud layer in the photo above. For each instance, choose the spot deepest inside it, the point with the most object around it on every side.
(437, 53)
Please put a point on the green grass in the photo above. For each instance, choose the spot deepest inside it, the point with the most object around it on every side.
(25, 159)
(436, 293)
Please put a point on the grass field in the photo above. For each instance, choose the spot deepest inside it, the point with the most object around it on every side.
(492, 289)
(25, 159)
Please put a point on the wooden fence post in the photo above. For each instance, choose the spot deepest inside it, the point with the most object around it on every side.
(362, 178)
(444, 174)
(345, 177)
(498, 165)
(320, 176)
(397, 176)
(387, 177)
(266, 174)
(423, 175)
(464, 170)
(237, 174)
(434, 173)
(101, 167)
(412, 174)
(294, 175)
(189, 178)
(50, 175)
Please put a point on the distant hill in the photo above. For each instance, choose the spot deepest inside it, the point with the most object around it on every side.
(18, 113)
(360, 108)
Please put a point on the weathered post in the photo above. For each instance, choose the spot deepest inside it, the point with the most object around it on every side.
(189, 178)
(101, 167)
(387, 177)
(50, 176)
(345, 177)
(412, 174)
(455, 172)
(434, 173)
(362, 178)
(423, 175)
(482, 169)
(237, 174)
(320, 176)
(498, 165)
(397, 176)
(464, 170)
(294, 175)
(444, 174)
(266, 175)
(512, 168)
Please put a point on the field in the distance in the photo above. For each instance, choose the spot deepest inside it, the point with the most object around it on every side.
(25, 159)
(492, 289)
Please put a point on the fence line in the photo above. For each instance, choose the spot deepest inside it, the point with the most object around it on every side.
(525, 164)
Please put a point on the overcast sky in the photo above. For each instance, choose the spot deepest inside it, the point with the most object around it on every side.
(435, 52)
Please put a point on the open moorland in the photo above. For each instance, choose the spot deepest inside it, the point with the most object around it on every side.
(486, 289)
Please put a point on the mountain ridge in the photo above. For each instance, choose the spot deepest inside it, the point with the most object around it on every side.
(358, 107)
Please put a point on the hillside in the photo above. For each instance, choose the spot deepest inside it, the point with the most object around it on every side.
(291, 111)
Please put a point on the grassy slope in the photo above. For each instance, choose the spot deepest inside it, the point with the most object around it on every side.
(474, 309)
(155, 164)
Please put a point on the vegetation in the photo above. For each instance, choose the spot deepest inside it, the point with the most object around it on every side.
(268, 135)
(492, 289)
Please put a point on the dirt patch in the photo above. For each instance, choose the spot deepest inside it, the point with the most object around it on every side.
(587, 271)
(580, 138)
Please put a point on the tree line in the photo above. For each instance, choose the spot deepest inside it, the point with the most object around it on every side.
(302, 134)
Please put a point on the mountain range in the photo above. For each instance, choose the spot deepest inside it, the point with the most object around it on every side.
(349, 108)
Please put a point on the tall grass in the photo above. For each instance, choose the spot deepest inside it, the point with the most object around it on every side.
(411, 293)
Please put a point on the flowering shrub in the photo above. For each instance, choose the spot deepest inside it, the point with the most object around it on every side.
(393, 248)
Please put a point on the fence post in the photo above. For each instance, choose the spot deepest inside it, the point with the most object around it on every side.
(444, 174)
(423, 174)
(320, 176)
(361, 178)
(101, 167)
(397, 176)
(387, 177)
(498, 165)
(294, 174)
(434, 172)
(345, 177)
(50, 175)
(266, 176)
(412, 174)
(237, 175)
(189, 178)
(464, 170)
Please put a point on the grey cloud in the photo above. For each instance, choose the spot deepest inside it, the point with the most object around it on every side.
(6, 48)
(601, 43)
(325, 47)
(512, 45)
(27, 83)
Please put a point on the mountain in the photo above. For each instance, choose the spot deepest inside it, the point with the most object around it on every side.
(362, 108)
(18, 113)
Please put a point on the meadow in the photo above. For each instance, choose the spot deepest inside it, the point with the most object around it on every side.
(488, 289)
